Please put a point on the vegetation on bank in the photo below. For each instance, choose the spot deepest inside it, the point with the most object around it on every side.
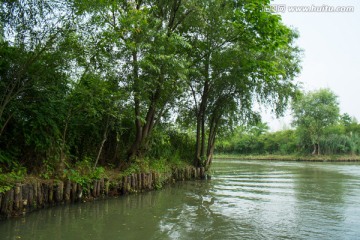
(342, 138)
(320, 129)
(84, 174)
(293, 157)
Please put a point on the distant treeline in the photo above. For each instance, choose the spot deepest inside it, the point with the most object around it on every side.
(341, 138)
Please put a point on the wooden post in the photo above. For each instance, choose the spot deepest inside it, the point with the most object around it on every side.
(67, 191)
(107, 186)
(102, 186)
(144, 180)
(25, 194)
(150, 181)
(74, 195)
(125, 184)
(51, 192)
(134, 182)
(31, 201)
(141, 181)
(17, 197)
(8, 202)
(153, 180)
(45, 190)
(98, 193)
(79, 192)
(94, 190)
(59, 192)
(131, 182)
(40, 199)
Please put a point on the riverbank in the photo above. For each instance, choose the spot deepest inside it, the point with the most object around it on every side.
(34, 194)
(310, 158)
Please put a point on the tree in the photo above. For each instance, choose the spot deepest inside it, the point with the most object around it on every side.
(313, 112)
(23, 46)
(145, 38)
(240, 55)
(33, 77)
(158, 67)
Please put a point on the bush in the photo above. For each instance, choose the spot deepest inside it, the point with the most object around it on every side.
(83, 173)
(8, 180)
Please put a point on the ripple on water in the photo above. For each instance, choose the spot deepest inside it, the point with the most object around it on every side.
(243, 200)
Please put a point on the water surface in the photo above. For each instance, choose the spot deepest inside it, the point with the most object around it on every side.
(243, 200)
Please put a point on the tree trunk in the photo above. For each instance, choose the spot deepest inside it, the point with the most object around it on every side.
(4, 125)
(211, 141)
(210, 152)
(150, 116)
(63, 143)
(133, 151)
(201, 118)
(143, 131)
(116, 150)
(102, 142)
(197, 160)
(316, 150)
(200, 130)
(203, 137)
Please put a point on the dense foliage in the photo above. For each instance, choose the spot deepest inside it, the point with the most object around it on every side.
(312, 113)
(337, 139)
(110, 83)
(259, 141)
(319, 129)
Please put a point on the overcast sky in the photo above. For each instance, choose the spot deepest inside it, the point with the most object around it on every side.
(331, 44)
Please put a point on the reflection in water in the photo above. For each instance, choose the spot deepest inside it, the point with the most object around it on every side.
(193, 218)
(321, 195)
(244, 200)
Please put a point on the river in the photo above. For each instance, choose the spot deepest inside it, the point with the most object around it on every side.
(243, 200)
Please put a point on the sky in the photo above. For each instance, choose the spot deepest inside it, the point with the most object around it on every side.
(331, 57)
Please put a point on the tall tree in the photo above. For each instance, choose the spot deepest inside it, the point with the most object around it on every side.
(146, 39)
(312, 113)
(241, 55)
(160, 73)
